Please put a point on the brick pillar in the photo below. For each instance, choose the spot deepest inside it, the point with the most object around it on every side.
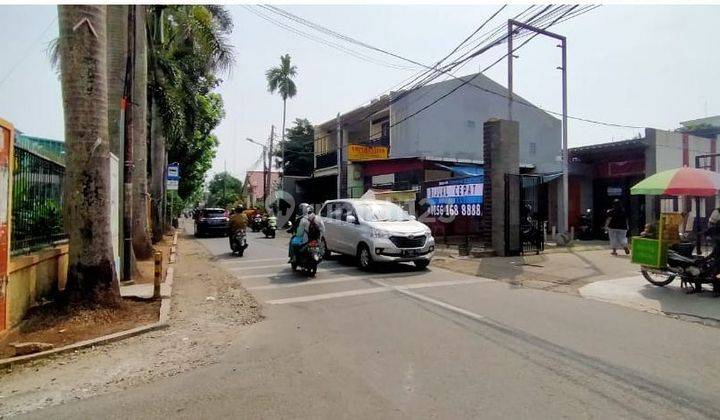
(501, 156)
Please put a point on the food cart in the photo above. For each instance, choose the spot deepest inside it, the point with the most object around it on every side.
(664, 256)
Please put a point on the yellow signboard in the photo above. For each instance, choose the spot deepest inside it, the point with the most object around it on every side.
(359, 152)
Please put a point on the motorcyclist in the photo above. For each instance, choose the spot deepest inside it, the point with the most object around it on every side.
(309, 227)
(238, 221)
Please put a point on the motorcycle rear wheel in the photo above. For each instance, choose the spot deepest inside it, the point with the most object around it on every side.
(657, 277)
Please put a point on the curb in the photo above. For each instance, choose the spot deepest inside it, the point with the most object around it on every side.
(163, 322)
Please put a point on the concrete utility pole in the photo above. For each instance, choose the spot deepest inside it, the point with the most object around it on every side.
(269, 158)
(563, 219)
(338, 153)
(265, 165)
(127, 104)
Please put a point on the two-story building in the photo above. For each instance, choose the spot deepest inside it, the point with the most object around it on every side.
(402, 140)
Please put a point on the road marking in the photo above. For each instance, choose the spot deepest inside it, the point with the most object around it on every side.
(324, 296)
(257, 267)
(342, 278)
(290, 273)
(384, 287)
(436, 302)
(243, 260)
(440, 283)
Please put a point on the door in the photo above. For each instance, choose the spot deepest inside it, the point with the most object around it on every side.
(329, 219)
(345, 229)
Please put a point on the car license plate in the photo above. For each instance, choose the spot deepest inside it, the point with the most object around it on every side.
(409, 252)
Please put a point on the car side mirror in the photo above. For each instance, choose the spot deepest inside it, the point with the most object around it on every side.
(351, 219)
(413, 217)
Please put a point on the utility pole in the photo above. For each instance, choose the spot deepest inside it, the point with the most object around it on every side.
(270, 159)
(127, 103)
(224, 180)
(338, 153)
(563, 219)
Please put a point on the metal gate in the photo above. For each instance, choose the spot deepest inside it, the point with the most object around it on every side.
(524, 217)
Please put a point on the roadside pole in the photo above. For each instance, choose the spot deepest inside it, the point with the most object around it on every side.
(563, 219)
(270, 159)
(338, 153)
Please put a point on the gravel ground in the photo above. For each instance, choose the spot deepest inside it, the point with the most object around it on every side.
(209, 311)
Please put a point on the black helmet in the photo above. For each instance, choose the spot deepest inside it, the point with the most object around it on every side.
(239, 208)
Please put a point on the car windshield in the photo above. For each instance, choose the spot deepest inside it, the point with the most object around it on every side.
(382, 212)
(213, 213)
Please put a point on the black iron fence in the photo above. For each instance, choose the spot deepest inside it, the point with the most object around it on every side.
(36, 202)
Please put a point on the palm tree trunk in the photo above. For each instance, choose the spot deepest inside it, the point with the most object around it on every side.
(157, 155)
(141, 239)
(91, 267)
(117, 21)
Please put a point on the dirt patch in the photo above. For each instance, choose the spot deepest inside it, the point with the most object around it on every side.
(61, 325)
(201, 331)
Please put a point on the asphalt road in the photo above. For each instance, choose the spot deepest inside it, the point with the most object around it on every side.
(402, 343)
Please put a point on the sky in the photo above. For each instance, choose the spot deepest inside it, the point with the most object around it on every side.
(649, 66)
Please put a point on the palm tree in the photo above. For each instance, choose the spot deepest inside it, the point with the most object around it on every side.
(187, 45)
(142, 245)
(82, 50)
(280, 79)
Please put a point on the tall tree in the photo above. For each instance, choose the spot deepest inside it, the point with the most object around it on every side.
(117, 25)
(280, 79)
(141, 238)
(298, 148)
(188, 46)
(82, 50)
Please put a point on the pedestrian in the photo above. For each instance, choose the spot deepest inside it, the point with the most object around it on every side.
(617, 226)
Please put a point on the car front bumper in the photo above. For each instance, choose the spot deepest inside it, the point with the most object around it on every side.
(384, 250)
(212, 228)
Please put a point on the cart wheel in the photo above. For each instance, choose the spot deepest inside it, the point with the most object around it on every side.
(657, 277)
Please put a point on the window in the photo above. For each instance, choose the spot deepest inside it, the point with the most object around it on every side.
(324, 211)
(533, 148)
(385, 129)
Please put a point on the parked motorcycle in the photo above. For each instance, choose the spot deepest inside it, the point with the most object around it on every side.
(585, 230)
(270, 227)
(308, 258)
(238, 244)
(694, 270)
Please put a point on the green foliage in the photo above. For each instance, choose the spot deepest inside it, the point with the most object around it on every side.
(298, 148)
(280, 78)
(184, 65)
(35, 221)
(224, 190)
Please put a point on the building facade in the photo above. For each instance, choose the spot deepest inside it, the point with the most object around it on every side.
(405, 139)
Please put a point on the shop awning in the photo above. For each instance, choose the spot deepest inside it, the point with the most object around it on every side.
(463, 170)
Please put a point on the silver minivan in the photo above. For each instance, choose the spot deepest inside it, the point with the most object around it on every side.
(375, 231)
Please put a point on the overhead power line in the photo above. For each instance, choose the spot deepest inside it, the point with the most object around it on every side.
(541, 16)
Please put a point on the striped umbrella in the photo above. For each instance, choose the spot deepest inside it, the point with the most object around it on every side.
(680, 181)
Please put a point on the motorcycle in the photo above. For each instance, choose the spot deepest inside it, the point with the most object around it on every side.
(308, 258)
(256, 224)
(270, 227)
(238, 244)
(694, 270)
(585, 229)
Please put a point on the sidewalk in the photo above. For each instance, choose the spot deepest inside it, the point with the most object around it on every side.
(556, 271)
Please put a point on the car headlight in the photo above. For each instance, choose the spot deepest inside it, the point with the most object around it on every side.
(380, 234)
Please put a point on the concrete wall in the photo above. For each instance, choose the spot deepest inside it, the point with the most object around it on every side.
(33, 277)
(453, 127)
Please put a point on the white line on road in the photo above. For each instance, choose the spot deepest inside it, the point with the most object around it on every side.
(325, 296)
(290, 273)
(342, 278)
(257, 267)
(249, 260)
(384, 288)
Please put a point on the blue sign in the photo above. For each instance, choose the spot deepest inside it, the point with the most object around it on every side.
(173, 172)
(455, 197)
(468, 190)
